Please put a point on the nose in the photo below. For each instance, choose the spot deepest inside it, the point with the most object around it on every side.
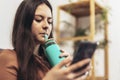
(45, 25)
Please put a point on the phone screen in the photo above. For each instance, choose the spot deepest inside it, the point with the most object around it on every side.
(85, 50)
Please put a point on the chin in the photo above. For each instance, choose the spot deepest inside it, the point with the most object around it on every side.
(42, 41)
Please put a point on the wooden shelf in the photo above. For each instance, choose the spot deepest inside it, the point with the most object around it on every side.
(75, 38)
(80, 8)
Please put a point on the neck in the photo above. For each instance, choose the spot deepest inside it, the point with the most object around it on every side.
(36, 49)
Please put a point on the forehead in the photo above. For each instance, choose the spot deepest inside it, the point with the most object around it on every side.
(43, 9)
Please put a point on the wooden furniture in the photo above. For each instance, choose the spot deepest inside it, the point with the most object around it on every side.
(79, 9)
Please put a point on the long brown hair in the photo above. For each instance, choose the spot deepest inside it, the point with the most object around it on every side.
(23, 41)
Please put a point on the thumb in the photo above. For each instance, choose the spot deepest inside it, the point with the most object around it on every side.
(64, 62)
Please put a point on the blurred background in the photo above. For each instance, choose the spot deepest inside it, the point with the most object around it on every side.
(73, 23)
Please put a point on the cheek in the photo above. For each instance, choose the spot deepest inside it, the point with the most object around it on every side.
(50, 30)
(34, 28)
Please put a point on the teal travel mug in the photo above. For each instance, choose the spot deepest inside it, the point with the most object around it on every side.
(52, 51)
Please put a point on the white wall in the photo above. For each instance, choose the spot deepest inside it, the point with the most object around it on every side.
(7, 11)
(114, 36)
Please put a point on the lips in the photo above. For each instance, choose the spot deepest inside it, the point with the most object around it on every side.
(43, 34)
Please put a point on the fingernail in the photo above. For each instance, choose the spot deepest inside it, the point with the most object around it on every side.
(61, 51)
(60, 56)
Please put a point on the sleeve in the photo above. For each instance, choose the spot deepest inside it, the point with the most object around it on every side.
(8, 66)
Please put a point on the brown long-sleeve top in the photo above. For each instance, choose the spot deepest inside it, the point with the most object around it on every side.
(9, 65)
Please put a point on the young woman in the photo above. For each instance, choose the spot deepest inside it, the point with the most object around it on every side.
(27, 60)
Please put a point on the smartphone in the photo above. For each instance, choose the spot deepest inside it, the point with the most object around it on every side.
(85, 50)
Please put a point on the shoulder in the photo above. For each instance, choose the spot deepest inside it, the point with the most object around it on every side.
(8, 57)
(8, 64)
(8, 54)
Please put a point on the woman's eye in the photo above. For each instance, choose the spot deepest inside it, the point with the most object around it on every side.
(38, 20)
(50, 21)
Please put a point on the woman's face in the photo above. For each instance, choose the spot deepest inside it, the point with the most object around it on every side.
(42, 23)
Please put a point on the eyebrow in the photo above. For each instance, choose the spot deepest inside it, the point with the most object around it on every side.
(42, 16)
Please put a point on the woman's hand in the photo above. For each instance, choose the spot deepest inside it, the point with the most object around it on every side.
(66, 55)
(59, 72)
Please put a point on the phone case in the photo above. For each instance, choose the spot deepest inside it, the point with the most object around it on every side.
(86, 50)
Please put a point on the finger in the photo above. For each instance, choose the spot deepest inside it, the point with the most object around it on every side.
(83, 72)
(87, 73)
(79, 75)
(77, 65)
(61, 51)
(64, 54)
(81, 78)
(64, 62)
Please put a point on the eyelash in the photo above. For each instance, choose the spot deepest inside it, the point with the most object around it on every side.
(50, 22)
(39, 20)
